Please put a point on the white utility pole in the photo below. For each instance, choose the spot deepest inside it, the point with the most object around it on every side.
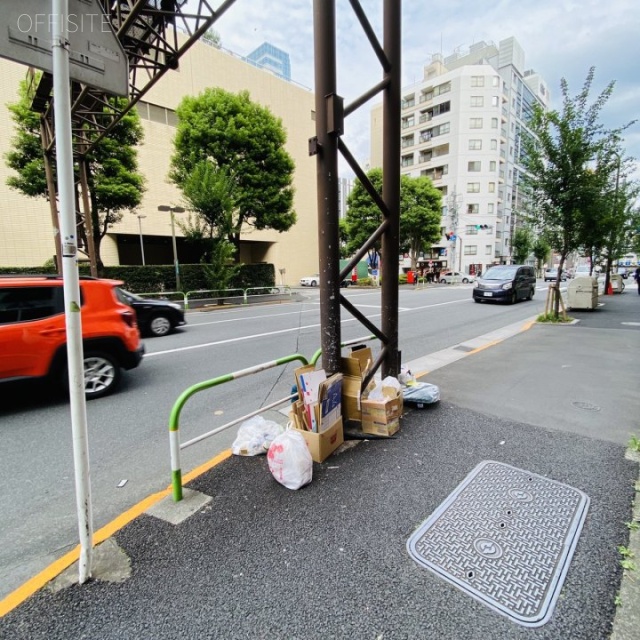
(72, 302)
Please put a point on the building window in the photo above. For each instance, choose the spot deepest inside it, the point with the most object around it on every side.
(409, 101)
(407, 141)
(473, 208)
(474, 165)
(427, 134)
(492, 187)
(473, 187)
(492, 165)
(471, 230)
(409, 121)
(494, 123)
(475, 123)
(477, 101)
(490, 207)
(494, 145)
(495, 81)
(487, 249)
(470, 250)
(407, 161)
(475, 145)
(477, 81)
(495, 101)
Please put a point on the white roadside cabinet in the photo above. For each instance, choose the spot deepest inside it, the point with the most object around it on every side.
(582, 293)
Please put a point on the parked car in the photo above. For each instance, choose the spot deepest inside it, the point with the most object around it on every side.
(623, 271)
(310, 281)
(551, 275)
(33, 332)
(155, 317)
(506, 283)
(314, 281)
(452, 277)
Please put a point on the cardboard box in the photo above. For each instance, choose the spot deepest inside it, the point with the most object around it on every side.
(382, 417)
(322, 445)
(381, 429)
(354, 367)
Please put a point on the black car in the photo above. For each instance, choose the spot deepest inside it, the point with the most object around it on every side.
(155, 317)
(506, 283)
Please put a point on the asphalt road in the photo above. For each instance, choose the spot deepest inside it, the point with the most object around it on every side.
(128, 432)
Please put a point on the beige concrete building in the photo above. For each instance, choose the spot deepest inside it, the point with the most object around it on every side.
(25, 223)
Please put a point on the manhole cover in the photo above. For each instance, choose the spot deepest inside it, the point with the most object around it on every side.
(587, 406)
(505, 537)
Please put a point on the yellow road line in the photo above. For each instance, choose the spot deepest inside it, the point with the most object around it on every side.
(32, 585)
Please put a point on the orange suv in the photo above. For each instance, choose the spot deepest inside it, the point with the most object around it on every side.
(33, 333)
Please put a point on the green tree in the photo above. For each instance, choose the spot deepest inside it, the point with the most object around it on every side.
(244, 142)
(364, 217)
(541, 251)
(420, 215)
(559, 158)
(115, 185)
(522, 245)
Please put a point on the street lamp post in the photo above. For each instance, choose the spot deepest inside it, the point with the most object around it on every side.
(140, 217)
(176, 264)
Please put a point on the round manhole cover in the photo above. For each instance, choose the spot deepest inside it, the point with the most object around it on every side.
(587, 406)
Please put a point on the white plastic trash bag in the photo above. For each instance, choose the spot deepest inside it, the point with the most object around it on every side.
(377, 393)
(289, 460)
(254, 436)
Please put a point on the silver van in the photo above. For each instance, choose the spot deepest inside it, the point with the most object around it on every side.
(506, 283)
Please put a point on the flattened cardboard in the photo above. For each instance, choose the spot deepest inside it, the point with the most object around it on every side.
(322, 414)
(355, 367)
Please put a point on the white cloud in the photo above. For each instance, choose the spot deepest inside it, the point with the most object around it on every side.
(560, 39)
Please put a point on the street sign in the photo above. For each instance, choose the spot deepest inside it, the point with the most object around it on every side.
(96, 57)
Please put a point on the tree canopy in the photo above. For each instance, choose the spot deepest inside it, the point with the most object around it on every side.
(226, 138)
(115, 184)
(568, 160)
(420, 215)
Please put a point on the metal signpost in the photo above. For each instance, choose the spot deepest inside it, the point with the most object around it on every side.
(73, 44)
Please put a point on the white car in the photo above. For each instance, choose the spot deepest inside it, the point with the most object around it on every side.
(314, 281)
(310, 281)
(452, 277)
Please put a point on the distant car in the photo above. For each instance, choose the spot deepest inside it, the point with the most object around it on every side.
(314, 281)
(155, 317)
(551, 275)
(310, 281)
(623, 271)
(451, 277)
(506, 283)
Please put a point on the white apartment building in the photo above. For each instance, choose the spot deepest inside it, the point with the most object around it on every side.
(462, 126)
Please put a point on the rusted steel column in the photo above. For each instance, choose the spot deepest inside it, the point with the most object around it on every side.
(391, 184)
(328, 127)
(87, 217)
(51, 192)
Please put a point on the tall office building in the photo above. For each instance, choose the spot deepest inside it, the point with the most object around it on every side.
(266, 56)
(462, 126)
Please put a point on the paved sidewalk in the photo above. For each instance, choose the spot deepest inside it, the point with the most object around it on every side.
(256, 560)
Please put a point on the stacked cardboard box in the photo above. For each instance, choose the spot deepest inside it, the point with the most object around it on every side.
(382, 417)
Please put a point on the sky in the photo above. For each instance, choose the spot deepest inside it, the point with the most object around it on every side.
(560, 38)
